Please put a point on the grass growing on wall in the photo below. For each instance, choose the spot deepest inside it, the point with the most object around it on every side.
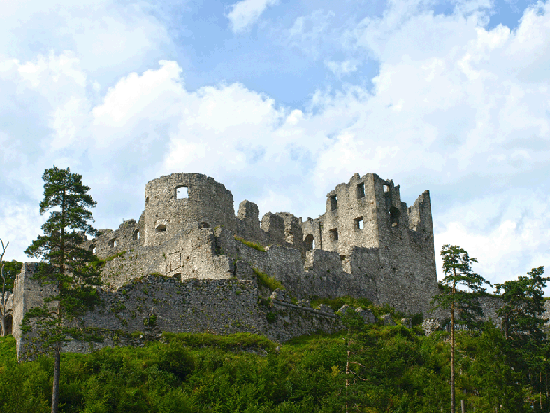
(267, 281)
(251, 244)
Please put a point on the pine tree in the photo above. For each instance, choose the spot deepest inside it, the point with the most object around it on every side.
(459, 292)
(65, 265)
(523, 325)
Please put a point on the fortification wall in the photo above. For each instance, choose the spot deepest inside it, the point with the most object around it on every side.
(147, 306)
(367, 244)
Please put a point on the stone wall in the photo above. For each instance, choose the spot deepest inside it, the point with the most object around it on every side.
(367, 244)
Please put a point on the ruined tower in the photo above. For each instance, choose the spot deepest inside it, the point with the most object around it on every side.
(174, 201)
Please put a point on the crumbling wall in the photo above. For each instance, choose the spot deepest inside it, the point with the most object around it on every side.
(27, 293)
(190, 254)
(274, 227)
(128, 236)
(248, 223)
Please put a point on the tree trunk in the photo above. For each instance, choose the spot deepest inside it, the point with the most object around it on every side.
(347, 380)
(56, 373)
(3, 309)
(453, 353)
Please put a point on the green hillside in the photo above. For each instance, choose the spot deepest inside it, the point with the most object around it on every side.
(391, 369)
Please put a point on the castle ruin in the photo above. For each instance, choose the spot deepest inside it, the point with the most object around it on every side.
(191, 264)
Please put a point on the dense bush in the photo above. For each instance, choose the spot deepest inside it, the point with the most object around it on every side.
(391, 369)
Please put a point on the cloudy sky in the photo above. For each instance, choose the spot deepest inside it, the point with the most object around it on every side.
(281, 100)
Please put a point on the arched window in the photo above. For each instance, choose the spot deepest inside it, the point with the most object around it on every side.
(394, 216)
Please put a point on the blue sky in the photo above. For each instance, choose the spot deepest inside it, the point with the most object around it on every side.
(281, 101)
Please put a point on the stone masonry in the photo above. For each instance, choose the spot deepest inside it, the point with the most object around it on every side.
(191, 264)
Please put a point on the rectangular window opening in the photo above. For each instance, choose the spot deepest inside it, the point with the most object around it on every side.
(359, 223)
(334, 234)
(182, 192)
(361, 190)
(333, 202)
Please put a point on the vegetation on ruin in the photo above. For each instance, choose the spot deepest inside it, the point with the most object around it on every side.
(251, 244)
(391, 369)
(267, 281)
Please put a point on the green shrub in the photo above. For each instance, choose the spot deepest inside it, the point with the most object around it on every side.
(251, 244)
(150, 321)
(267, 281)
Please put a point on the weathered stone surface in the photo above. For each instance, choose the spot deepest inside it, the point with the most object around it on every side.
(367, 316)
(187, 251)
(387, 320)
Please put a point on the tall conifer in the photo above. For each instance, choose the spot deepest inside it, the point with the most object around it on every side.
(64, 264)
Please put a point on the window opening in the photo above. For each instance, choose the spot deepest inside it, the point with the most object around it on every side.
(309, 242)
(92, 249)
(182, 192)
(333, 202)
(334, 234)
(394, 216)
(359, 223)
(112, 243)
(204, 225)
(361, 190)
(136, 234)
(161, 228)
(386, 188)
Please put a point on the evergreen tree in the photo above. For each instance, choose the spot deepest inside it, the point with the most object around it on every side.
(64, 264)
(523, 325)
(459, 292)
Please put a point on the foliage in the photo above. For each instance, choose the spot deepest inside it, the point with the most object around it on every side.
(390, 370)
(267, 281)
(523, 325)
(462, 287)
(11, 269)
(65, 267)
(251, 244)
(459, 292)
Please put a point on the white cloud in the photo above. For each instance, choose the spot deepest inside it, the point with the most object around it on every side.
(245, 13)
(109, 38)
(341, 68)
(508, 238)
(455, 108)
(310, 33)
